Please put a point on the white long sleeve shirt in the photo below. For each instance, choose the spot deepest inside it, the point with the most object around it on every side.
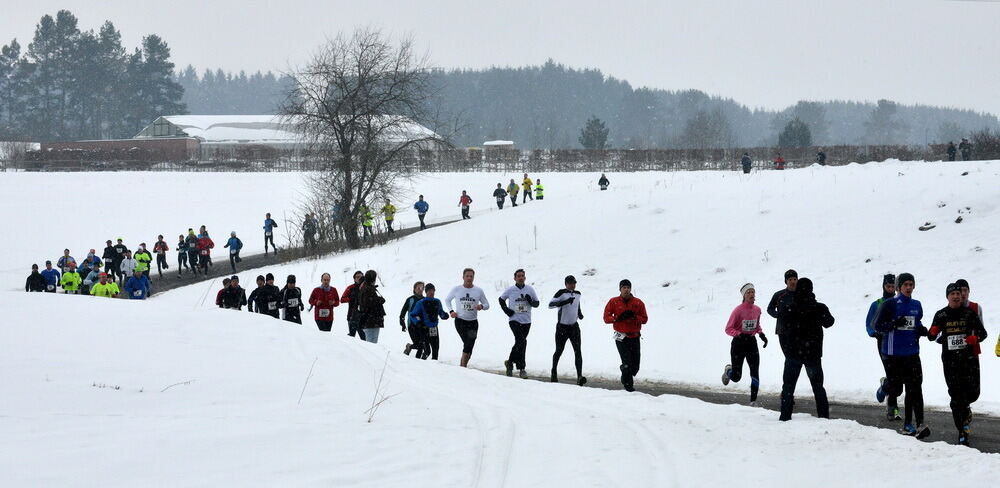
(520, 300)
(465, 300)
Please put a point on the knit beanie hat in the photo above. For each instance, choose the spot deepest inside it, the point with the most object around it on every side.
(745, 288)
(903, 278)
(624, 283)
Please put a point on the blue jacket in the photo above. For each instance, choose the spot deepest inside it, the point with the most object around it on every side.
(421, 206)
(899, 320)
(137, 288)
(421, 312)
(870, 319)
(269, 225)
(51, 276)
(234, 243)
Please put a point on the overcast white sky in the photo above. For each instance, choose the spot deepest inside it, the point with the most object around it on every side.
(761, 53)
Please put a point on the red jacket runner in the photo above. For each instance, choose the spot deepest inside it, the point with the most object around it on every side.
(323, 303)
(631, 326)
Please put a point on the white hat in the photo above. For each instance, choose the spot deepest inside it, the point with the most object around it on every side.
(745, 288)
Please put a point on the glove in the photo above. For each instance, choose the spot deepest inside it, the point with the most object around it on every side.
(509, 312)
(972, 340)
(402, 324)
(899, 322)
(934, 331)
(921, 331)
(301, 307)
(579, 314)
(402, 327)
(763, 339)
(626, 315)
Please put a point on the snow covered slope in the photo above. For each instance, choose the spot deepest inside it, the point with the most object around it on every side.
(158, 394)
(688, 241)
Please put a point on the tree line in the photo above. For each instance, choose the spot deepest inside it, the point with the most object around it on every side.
(68, 84)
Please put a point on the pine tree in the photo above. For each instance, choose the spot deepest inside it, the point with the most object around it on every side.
(594, 135)
(884, 126)
(795, 134)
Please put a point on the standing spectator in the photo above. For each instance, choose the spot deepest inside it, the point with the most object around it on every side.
(269, 225)
(234, 244)
(389, 210)
(371, 309)
(951, 151)
(51, 277)
(804, 320)
(160, 248)
(323, 300)
(65, 260)
(465, 201)
(539, 190)
(821, 158)
(603, 182)
(421, 207)
(526, 184)
(35, 281)
(309, 231)
(747, 163)
(965, 147)
(779, 162)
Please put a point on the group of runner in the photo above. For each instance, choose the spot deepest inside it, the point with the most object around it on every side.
(895, 320)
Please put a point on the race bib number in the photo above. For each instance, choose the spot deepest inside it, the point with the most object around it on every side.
(324, 313)
(294, 302)
(272, 305)
(467, 306)
(204, 252)
(137, 293)
(522, 308)
(956, 342)
(51, 287)
(233, 251)
(268, 234)
(749, 325)
(911, 323)
(619, 336)
(432, 331)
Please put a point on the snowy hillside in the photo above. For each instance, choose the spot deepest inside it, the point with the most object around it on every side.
(688, 241)
(180, 396)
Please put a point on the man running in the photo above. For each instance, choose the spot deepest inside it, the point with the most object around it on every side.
(465, 201)
(143, 260)
(193, 253)
(899, 319)
(526, 184)
(269, 226)
(567, 301)
(104, 288)
(35, 281)
(407, 323)
(255, 302)
(782, 299)
(70, 281)
(468, 299)
(121, 250)
(389, 211)
(517, 302)
(270, 296)
(959, 331)
(322, 300)
(539, 190)
(291, 301)
(803, 319)
(888, 291)
(64, 261)
(627, 314)
(182, 255)
(160, 248)
(425, 315)
(128, 265)
(234, 244)
(234, 297)
(963, 285)
(137, 287)
(371, 307)
(51, 277)
(110, 256)
(421, 206)
(350, 297)
(743, 325)
(512, 189)
(500, 195)
(205, 246)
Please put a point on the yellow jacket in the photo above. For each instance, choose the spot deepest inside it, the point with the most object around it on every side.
(527, 184)
(109, 290)
(998, 347)
(70, 281)
(389, 211)
(512, 189)
(539, 190)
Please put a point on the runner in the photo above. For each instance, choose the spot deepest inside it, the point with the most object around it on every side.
(468, 299)
(425, 315)
(416, 336)
(137, 287)
(517, 302)
(269, 225)
(291, 301)
(51, 277)
(539, 190)
(110, 257)
(500, 195)
(888, 291)
(964, 286)
(64, 261)
(234, 244)
(782, 299)
(128, 265)
(256, 302)
(366, 223)
(270, 296)
(371, 308)
(350, 298)
(512, 189)
(389, 211)
(526, 183)
(899, 319)
(627, 314)
(465, 201)
(35, 281)
(803, 320)
(205, 246)
(160, 248)
(234, 297)
(182, 255)
(143, 260)
(567, 301)
(70, 281)
(218, 296)
(959, 331)
(323, 299)
(120, 254)
(193, 252)
(744, 323)
(104, 288)
(421, 206)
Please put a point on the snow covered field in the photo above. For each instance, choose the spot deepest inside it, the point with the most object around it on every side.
(162, 395)
(688, 241)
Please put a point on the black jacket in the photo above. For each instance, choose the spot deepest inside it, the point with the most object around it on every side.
(780, 299)
(804, 320)
(371, 307)
(234, 298)
(35, 282)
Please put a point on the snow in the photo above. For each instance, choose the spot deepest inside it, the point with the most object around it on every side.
(498, 143)
(264, 129)
(702, 233)
(180, 396)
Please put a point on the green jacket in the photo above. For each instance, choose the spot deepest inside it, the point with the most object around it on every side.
(539, 190)
(70, 281)
(142, 260)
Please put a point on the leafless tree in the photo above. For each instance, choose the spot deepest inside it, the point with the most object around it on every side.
(360, 102)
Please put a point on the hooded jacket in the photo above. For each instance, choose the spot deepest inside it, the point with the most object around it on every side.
(804, 320)
(35, 282)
